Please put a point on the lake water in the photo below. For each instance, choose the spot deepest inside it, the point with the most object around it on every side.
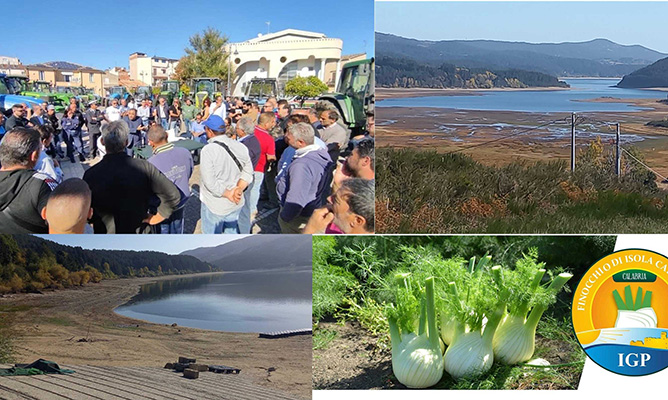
(231, 302)
(537, 101)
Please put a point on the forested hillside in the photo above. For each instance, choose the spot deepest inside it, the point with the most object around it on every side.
(30, 263)
(655, 75)
(405, 73)
(598, 57)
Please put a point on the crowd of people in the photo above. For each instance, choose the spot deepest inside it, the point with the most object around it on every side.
(300, 163)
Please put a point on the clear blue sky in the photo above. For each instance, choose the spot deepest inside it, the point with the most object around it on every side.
(102, 34)
(625, 23)
(170, 244)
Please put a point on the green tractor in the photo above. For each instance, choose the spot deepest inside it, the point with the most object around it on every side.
(65, 93)
(40, 90)
(206, 87)
(170, 90)
(354, 95)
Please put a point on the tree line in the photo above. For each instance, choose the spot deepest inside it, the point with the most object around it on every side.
(28, 263)
(406, 73)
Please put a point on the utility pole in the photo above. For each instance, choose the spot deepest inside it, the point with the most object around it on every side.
(618, 153)
(572, 142)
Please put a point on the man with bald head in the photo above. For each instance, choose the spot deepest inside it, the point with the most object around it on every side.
(69, 207)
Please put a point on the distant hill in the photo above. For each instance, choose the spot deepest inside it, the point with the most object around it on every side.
(32, 263)
(405, 73)
(264, 252)
(598, 57)
(655, 75)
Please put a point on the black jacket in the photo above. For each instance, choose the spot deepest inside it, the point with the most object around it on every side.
(12, 122)
(122, 188)
(23, 195)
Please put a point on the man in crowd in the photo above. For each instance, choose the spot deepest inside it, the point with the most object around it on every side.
(253, 110)
(351, 209)
(288, 153)
(283, 113)
(144, 112)
(124, 108)
(94, 118)
(218, 108)
(359, 164)
(52, 119)
(68, 208)
(17, 119)
(301, 190)
(73, 136)
(113, 112)
(177, 165)
(136, 127)
(23, 192)
(123, 187)
(314, 120)
(244, 129)
(226, 170)
(188, 112)
(266, 122)
(45, 164)
(38, 118)
(197, 129)
(332, 132)
(161, 113)
(270, 104)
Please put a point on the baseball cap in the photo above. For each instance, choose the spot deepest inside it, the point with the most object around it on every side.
(215, 123)
(50, 107)
(90, 103)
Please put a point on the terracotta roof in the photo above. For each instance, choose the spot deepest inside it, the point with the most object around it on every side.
(130, 83)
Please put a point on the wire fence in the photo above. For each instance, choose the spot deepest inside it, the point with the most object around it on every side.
(584, 131)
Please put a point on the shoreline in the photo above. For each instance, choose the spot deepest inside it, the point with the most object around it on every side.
(383, 93)
(446, 130)
(79, 326)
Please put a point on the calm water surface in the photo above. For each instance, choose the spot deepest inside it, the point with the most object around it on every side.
(231, 302)
(537, 101)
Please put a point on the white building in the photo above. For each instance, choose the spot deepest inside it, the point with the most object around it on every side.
(284, 55)
(11, 66)
(151, 70)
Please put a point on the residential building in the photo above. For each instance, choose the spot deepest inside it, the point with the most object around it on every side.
(284, 55)
(63, 73)
(151, 70)
(11, 66)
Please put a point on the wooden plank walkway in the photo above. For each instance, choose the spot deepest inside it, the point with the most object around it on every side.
(130, 383)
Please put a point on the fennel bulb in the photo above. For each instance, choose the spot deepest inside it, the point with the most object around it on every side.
(514, 341)
(417, 361)
(471, 354)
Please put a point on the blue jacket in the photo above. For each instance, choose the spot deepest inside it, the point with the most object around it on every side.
(301, 190)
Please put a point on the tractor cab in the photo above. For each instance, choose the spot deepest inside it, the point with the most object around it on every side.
(354, 95)
(142, 93)
(260, 89)
(169, 90)
(206, 87)
(17, 84)
(9, 98)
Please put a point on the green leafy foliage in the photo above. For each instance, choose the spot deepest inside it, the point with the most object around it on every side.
(205, 57)
(28, 263)
(406, 73)
(305, 86)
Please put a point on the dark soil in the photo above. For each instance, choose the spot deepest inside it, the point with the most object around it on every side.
(353, 360)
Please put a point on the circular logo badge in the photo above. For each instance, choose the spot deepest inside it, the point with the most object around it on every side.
(620, 312)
